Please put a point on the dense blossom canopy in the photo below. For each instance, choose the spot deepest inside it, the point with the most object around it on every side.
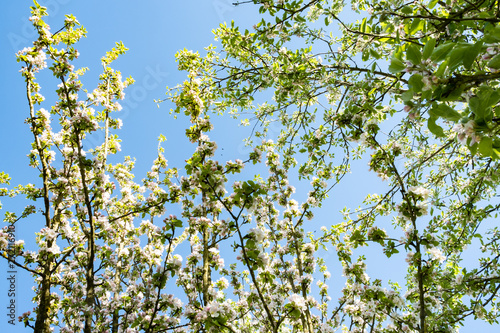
(410, 87)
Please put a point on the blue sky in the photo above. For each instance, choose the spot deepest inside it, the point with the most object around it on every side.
(153, 31)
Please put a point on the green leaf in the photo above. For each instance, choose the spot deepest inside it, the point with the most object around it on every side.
(374, 54)
(253, 254)
(442, 51)
(474, 104)
(363, 25)
(440, 71)
(407, 10)
(435, 128)
(456, 56)
(415, 82)
(488, 96)
(295, 313)
(444, 111)
(417, 25)
(471, 54)
(496, 153)
(492, 34)
(177, 223)
(428, 48)
(250, 244)
(413, 54)
(473, 149)
(357, 237)
(407, 95)
(4, 178)
(365, 55)
(426, 95)
(494, 62)
(451, 92)
(481, 104)
(432, 4)
(396, 66)
(486, 146)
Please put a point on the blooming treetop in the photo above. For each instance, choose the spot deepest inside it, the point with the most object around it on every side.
(108, 258)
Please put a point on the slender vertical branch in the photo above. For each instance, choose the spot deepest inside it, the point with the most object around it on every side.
(89, 270)
(306, 318)
(206, 266)
(254, 279)
(42, 323)
(421, 291)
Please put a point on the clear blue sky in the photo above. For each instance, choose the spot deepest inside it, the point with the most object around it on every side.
(154, 31)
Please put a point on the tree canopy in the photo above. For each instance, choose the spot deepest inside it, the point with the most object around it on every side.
(410, 87)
